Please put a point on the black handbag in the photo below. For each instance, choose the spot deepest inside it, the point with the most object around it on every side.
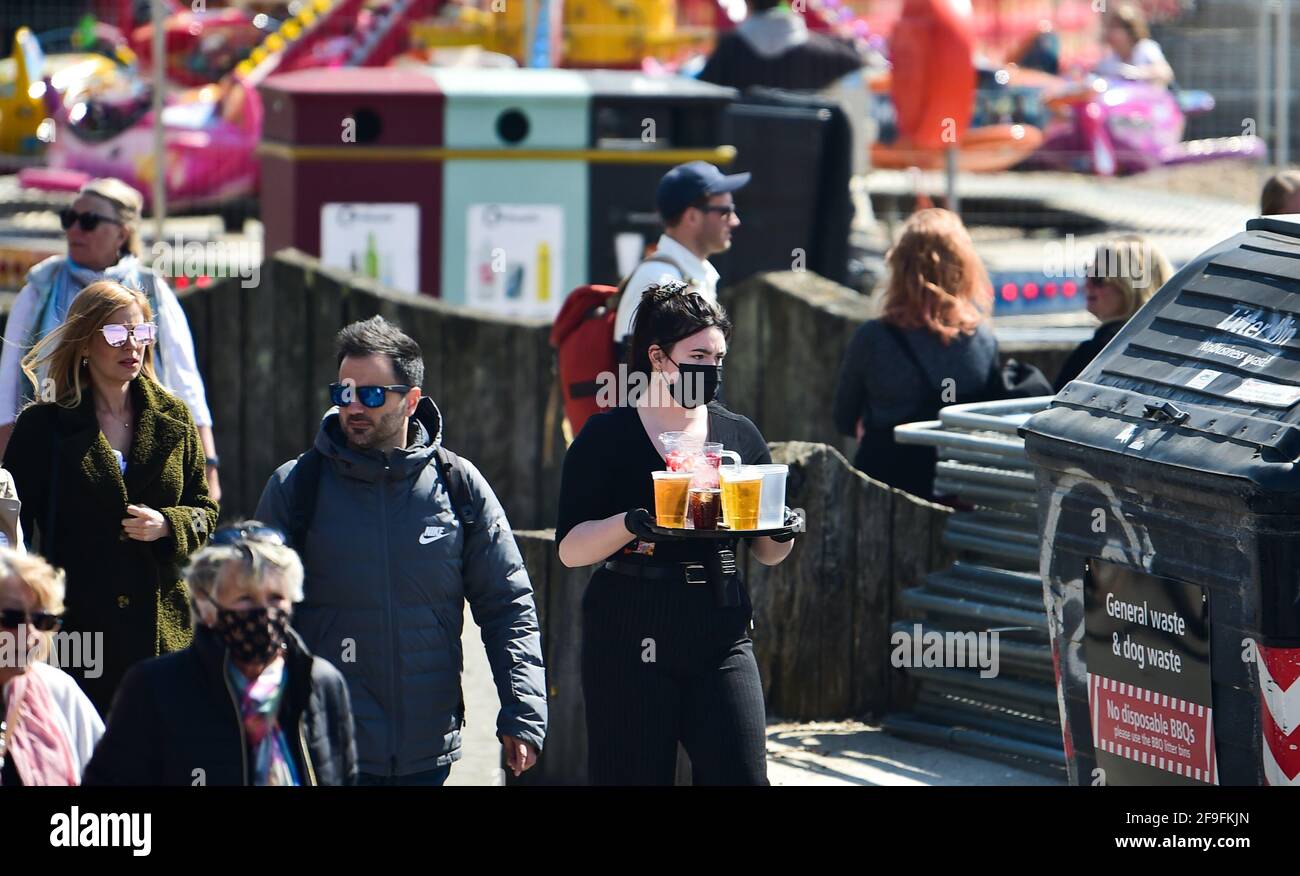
(1016, 380)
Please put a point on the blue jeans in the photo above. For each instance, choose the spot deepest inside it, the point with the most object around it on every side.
(428, 779)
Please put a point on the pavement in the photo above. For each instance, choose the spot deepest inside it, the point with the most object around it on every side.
(828, 753)
(840, 753)
(481, 760)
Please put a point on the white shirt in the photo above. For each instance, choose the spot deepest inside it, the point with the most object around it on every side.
(176, 347)
(1146, 54)
(648, 273)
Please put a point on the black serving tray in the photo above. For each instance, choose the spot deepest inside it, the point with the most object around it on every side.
(668, 534)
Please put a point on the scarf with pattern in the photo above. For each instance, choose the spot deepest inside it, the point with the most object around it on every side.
(259, 707)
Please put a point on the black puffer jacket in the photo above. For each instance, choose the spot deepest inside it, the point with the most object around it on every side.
(174, 722)
(390, 617)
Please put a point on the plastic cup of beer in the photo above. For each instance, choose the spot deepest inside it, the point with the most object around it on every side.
(671, 489)
(704, 508)
(771, 504)
(741, 487)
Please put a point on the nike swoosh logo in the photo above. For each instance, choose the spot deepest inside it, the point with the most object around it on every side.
(428, 537)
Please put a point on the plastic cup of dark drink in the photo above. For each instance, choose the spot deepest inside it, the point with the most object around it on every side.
(705, 507)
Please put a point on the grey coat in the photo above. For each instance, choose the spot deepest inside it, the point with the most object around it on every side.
(388, 571)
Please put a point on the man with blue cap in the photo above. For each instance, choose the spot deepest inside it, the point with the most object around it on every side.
(698, 211)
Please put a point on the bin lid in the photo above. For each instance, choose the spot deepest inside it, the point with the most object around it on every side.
(465, 84)
(634, 85)
(351, 81)
(1206, 375)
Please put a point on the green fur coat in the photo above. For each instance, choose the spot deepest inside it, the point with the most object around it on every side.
(126, 594)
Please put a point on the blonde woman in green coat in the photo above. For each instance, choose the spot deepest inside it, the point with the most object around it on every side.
(109, 466)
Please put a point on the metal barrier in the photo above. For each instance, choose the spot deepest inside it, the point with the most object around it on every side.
(994, 586)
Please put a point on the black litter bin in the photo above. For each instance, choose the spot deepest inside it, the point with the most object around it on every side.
(799, 148)
(1169, 510)
(668, 116)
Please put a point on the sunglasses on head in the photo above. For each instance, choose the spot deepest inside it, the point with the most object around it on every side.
(343, 394)
(145, 333)
(88, 221)
(233, 535)
(13, 618)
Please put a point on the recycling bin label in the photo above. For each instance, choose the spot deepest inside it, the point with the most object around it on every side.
(1147, 646)
(515, 258)
(379, 241)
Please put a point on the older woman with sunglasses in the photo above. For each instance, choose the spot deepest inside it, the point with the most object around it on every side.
(48, 728)
(1124, 273)
(246, 703)
(110, 471)
(102, 227)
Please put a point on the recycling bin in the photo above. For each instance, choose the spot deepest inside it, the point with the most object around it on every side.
(563, 169)
(654, 123)
(347, 174)
(1169, 516)
(514, 211)
(499, 189)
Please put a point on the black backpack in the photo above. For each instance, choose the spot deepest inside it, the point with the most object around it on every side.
(306, 488)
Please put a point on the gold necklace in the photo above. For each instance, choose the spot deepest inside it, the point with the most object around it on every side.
(126, 424)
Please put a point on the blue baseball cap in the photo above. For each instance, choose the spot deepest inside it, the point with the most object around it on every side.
(687, 183)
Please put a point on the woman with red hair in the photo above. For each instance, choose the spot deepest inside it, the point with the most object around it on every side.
(931, 346)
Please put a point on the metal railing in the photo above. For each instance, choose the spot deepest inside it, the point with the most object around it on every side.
(993, 586)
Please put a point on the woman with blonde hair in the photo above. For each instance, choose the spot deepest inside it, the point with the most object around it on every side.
(246, 703)
(110, 472)
(103, 233)
(48, 728)
(931, 346)
(1125, 272)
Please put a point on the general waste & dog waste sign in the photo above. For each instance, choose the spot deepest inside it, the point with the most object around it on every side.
(1147, 647)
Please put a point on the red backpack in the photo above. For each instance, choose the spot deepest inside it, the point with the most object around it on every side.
(583, 335)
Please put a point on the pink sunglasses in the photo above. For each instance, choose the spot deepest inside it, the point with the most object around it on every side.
(116, 334)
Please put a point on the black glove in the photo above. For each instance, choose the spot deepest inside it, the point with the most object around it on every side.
(638, 522)
(794, 519)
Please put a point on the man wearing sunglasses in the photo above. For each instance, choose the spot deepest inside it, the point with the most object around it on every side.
(695, 201)
(396, 533)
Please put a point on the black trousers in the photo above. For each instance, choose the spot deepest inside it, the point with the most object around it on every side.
(661, 663)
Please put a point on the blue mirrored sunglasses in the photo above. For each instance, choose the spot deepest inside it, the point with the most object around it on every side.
(343, 394)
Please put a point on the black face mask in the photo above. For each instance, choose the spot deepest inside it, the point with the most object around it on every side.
(255, 635)
(697, 384)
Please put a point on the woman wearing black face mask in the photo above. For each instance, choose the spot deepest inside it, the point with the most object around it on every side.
(246, 703)
(664, 659)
